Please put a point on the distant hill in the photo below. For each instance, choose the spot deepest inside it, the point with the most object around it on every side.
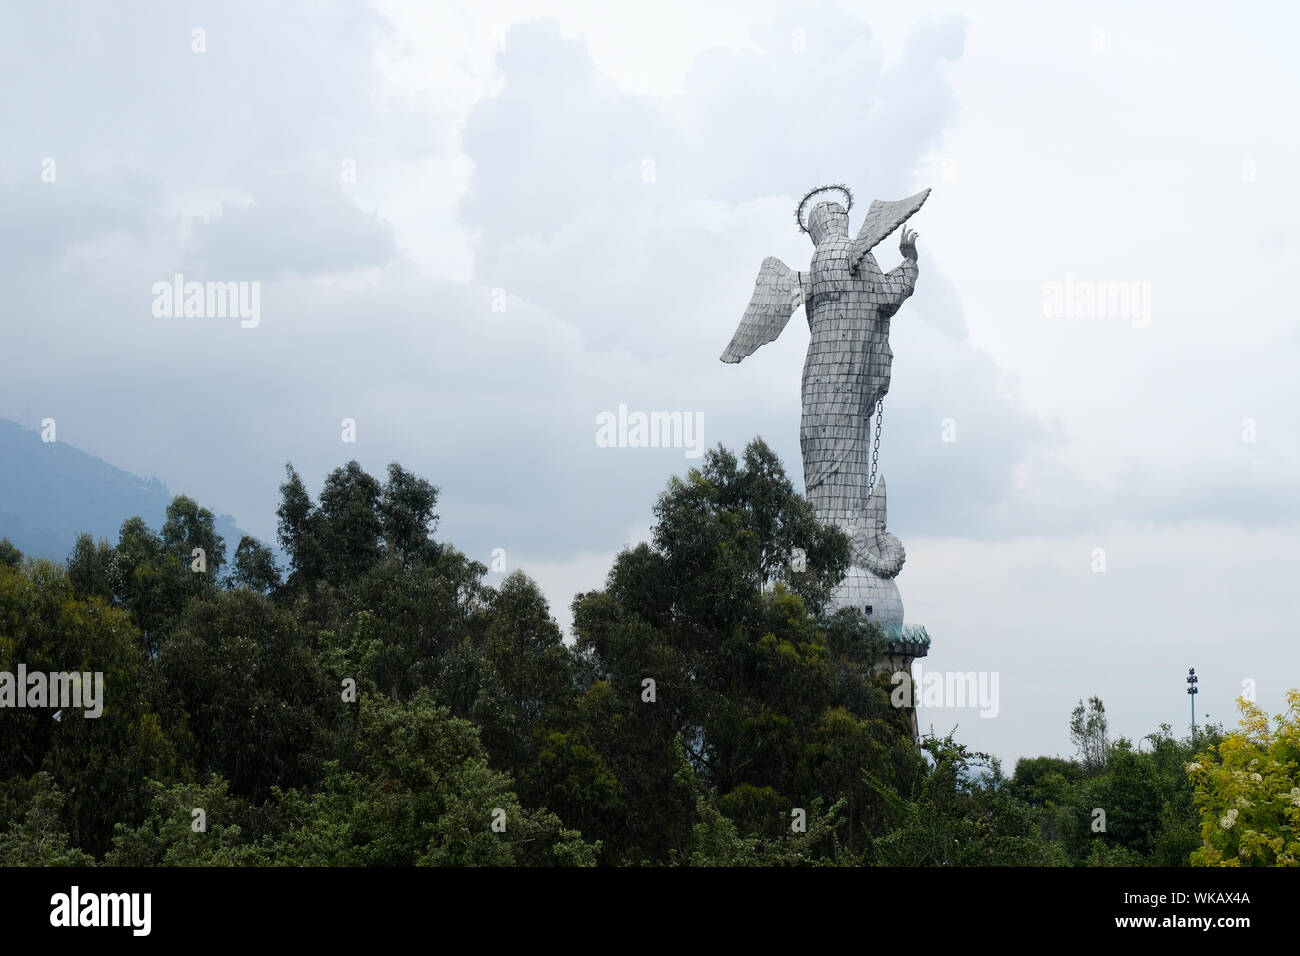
(52, 492)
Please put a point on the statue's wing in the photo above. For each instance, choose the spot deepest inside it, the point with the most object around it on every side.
(778, 291)
(882, 219)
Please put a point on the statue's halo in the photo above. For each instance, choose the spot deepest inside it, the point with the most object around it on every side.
(815, 191)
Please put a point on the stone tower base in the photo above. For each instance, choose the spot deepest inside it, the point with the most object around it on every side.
(912, 642)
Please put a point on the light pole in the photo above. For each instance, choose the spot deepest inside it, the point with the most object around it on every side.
(1191, 690)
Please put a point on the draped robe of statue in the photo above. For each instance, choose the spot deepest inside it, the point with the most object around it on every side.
(849, 302)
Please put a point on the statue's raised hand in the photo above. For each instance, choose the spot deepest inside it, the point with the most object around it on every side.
(907, 244)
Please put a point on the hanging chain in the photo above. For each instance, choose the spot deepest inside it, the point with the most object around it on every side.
(875, 448)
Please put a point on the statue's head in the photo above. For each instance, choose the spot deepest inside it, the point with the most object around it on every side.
(827, 219)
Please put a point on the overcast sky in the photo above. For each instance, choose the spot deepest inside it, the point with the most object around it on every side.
(614, 174)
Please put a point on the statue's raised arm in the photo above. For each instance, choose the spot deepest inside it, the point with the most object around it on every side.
(882, 219)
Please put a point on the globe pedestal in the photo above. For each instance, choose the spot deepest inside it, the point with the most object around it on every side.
(878, 599)
(874, 596)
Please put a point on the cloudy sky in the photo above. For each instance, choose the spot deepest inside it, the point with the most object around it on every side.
(477, 226)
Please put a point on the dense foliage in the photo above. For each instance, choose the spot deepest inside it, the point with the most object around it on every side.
(377, 702)
(1248, 791)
